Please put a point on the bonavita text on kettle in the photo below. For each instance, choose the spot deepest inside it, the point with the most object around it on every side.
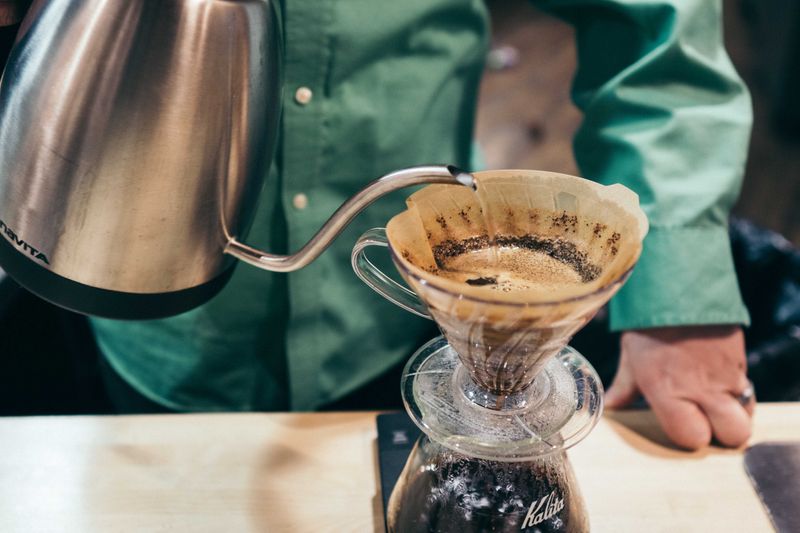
(14, 238)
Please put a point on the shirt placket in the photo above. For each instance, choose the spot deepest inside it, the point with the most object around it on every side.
(307, 26)
(307, 52)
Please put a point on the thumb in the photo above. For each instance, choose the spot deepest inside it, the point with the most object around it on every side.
(623, 389)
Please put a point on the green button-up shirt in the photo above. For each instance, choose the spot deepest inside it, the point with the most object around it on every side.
(394, 84)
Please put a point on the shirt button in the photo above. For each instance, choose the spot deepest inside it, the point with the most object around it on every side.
(300, 201)
(303, 95)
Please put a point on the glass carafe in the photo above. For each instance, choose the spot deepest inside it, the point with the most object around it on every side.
(480, 468)
(442, 490)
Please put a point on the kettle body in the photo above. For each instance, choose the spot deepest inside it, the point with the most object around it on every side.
(134, 140)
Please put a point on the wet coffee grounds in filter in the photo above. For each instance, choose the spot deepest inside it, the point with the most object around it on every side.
(563, 251)
(477, 282)
(451, 248)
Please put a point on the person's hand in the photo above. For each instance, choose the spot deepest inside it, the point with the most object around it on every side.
(692, 377)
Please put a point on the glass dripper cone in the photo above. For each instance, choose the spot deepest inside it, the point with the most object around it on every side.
(511, 273)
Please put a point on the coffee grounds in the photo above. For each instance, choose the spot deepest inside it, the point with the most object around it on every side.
(479, 282)
(450, 248)
(559, 249)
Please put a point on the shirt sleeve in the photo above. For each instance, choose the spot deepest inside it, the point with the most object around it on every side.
(665, 114)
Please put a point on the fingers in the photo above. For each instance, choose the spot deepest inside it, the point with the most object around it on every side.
(729, 420)
(683, 421)
(623, 389)
(692, 426)
(693, 378)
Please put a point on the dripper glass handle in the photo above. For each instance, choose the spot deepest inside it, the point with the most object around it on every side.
(380, 282)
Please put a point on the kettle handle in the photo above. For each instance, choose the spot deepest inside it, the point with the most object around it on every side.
(346, 213)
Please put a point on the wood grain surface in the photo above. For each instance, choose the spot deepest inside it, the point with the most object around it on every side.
(317, 473)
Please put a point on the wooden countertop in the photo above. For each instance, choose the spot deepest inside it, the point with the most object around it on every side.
(317, 472)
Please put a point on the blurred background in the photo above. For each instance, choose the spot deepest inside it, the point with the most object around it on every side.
(48, 363)
(526, 119)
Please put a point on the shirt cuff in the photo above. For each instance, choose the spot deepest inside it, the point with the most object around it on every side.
(685, 276)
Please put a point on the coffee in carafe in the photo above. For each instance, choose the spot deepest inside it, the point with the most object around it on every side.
(452, 492)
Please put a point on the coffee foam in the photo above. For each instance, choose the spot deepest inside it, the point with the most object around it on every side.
(509, 269)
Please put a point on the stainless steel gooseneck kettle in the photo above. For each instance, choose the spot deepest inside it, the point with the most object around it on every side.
(134, 138)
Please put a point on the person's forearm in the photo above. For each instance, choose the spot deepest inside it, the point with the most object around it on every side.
(665, 114)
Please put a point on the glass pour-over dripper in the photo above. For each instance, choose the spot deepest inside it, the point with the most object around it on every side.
(509, 273)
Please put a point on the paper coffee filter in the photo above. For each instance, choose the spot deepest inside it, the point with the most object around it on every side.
(588, 236)
(594, 228)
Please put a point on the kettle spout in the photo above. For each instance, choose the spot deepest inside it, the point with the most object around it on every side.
(346, 213)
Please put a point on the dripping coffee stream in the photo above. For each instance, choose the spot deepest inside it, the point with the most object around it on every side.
(508, 277)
